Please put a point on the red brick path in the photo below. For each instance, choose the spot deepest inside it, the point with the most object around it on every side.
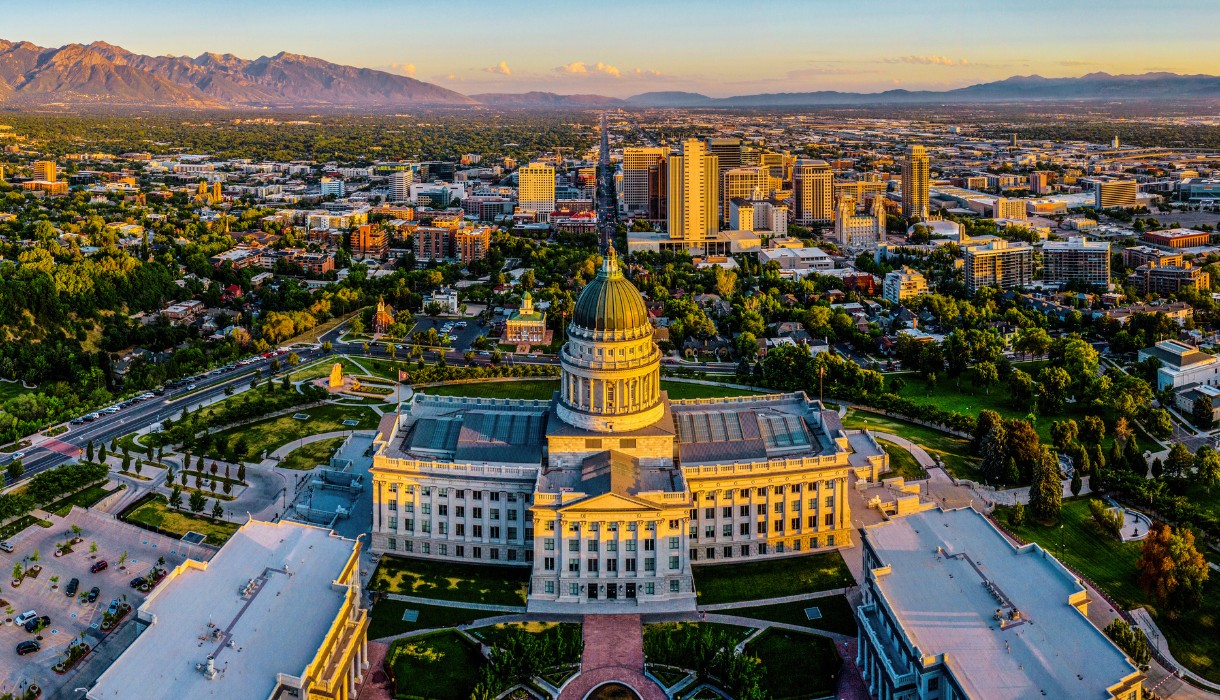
(377, 685)
(614, 651)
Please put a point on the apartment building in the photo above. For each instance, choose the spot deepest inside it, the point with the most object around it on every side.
(999, 263)
(1076, 260)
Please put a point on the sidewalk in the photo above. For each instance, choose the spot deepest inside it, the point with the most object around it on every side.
(770, 601)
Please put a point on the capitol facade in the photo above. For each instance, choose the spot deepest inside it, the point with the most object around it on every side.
(610, 491)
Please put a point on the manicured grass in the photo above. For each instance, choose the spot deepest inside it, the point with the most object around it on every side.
(129, 441)
(953, 451)
(385, 619)
(10, 390)
(1194, 637)
(312, 454)
(322, 368)
(157, 513)
(21, 524)
(836, 612)
(902, 463)
(271, 433)
(496, 634)
(440, 666)
(734, 633)
(543, 389)
(799, 666)
(471, 583)
(731, 583)
(84, 498)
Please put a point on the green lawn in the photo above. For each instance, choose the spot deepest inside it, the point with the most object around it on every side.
(1194, 637)
(312, 454)
(21, 524)
(837, 615)
(129, 441)
(322, 368)
(734, 633)
(543, 389)
(440, 666)
(471, 583)
(385, 619)
(157, 513)
(799, 666)
(84, 499)
(954, 451)
(10, 390)
(731, 583)
(496, 634)
(271, 433)
(902, 463)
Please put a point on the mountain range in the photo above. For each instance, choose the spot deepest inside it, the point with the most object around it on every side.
(103, 75)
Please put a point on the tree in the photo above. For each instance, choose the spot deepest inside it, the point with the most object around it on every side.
(1107, 520)
(1171, 570)
(123, 558)
(1016, 516)
(241, 472)
(227, 486)
(1201, 413)
(89, 451)
(1025, 447)
(994, 452)
(1158, 468)
(1054, 385)
(1131, 640)
(1207, 466)
(1179, 462)
(1159, 423)
(1092, 430)
(15, 469)
(1064, 433)
(1046, 492)
(982, 426)
(198, 501)
(391, 349)
(1076, 484)
(175, 497)
(1123, 431)
(988, 375)
(218, 510)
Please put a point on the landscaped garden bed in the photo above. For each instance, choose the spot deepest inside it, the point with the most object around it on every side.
(471, 583)
(73, 656)
(731, 583)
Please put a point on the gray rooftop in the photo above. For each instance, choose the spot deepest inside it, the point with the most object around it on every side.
(940, 562)
(473, 430)
(277, 630)
(611, 471)
(746, 429)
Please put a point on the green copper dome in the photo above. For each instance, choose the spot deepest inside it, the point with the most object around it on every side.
(610, 302)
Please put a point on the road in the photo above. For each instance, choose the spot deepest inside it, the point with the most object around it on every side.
(607, 204)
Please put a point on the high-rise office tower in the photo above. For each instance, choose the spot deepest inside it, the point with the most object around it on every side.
(728, 153)
(1116, 193)
(44, 170)
(748, 183)
(658, 190)
(636, 163)
(915, 183)
(536, 188)
(694, 192)
(400, 185)
(813, 191)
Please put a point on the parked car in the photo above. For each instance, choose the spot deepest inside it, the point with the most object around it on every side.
(25, 617)
(6, 546)
(29, 646)
(138, 581)
(93, 594)
(114, 608)
(100, 565)
(72, 587)
(37, 623)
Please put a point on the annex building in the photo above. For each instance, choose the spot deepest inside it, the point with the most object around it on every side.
(953, 610)
(275, 615)
(610, 491)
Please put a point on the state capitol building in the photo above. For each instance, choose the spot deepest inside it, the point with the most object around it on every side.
(610, 491)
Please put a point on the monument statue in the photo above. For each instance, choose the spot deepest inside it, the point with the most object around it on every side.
(336, 375)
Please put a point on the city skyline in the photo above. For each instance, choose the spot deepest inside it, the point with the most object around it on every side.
(641, 47)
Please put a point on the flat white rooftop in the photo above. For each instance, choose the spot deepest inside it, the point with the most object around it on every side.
(944, 607)
(202, 611)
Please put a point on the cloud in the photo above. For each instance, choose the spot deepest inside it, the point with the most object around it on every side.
(641, 73)
(500, 69)
(407, 69)
(582, 68)
(1077, 63)
(928, 60)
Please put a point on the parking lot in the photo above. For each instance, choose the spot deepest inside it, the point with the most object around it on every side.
(462, 337)
(72, 617)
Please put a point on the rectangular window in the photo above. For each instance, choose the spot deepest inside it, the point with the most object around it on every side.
(744, 511)
(495, 513)
(779, 548)
(393, 488)
(593, 443)
(442, 527)
(477, 530)
(494, 495)
(650, 564)
(495, 554)
(829, 520)
(744, 528)
(830, 540)
(813, 504)
(442, 509)
(830, 501)
(796, 506)
(512, 533)
(478, 552)
(392, 505)
(726, 512)
(408, 546)
(425, 525)
(425, 508)
(796, 545)
(393, 522)
(761, 509)
(574, 566)
(512, 555)
(728, 552)
(796, 523)
(512, 516)
(442, 549)
(813, 543)
(630, 565)
(612, 546)
(409, 506)
(711, 553)
(460, 493)
(694, 554)
(495, 532)
(779, 525)
(675, 562)
(709, 513)
(550, 587)
(478, 495)
(427, 548)
(626, 444)
(548, 563)
(477, 512)
(573, 589)
(573, 545)
(632, 527)
(549, 526)
(459, 529)
(745, 550)
(409, 525)
(460, 511)
(726, 530)
(630, 545)
(675, 542)
(778, 507)
(612, 565)
(393, 544)
(592, 565)
(813, 521)
(674, 585)
(650, 545)
(650, 588)
(709, 531)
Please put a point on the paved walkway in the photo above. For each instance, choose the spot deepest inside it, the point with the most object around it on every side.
(771, 601)
(614, 651)
(273, 459)
(515, 609)
(377, 685)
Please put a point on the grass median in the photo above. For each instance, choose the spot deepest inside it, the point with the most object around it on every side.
(773, 578)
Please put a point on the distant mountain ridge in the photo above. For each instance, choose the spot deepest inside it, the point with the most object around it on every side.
(104, 75)
(101, 74)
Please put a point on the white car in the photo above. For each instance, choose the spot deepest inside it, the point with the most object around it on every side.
(25, 617)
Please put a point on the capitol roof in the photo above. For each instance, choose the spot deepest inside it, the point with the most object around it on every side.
(610, 302)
